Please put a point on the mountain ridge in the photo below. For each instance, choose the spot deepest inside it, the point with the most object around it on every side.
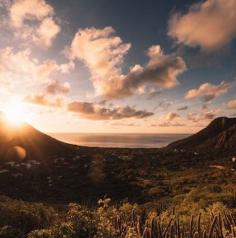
(220, 134)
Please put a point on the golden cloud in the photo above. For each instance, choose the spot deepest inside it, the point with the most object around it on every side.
(103, 53)
(96, 112)
(33, 20)
(43, 100)
(208, 91)
(209, 24)
(231, 104)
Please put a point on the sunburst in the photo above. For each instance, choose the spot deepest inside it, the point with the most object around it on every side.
(15, 112)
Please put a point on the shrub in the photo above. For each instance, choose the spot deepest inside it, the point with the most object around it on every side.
(10, 232)
(24, 215)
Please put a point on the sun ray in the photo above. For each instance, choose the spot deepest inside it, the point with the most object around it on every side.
(15, 112)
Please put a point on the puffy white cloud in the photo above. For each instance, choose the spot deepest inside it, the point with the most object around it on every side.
(67, 67)
(17, 66)
(20, 70)
(103, 53)
(231, 104)
(100, 50)
(49, 68)
(22, 10)
(96, 112)
(209, 24)
(33, 20)
(46, 32)
(161, 70)
(208, 91)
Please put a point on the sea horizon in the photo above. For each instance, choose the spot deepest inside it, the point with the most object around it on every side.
(119, 140)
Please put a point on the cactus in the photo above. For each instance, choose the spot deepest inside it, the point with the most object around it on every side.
(221, 226)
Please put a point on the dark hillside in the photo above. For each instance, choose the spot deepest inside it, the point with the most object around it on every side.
(24, 141)
(220, 134)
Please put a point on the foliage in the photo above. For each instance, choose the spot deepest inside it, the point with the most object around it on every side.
(25, 216)
(182, 218)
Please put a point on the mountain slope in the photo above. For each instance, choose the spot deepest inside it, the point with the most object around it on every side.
(25, 141)
(220, 134)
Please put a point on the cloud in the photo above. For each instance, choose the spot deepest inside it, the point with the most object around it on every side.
(161, 70)
(46, 32)
(100, 50)
(103, 53)
(183, 108)
(19, 61)
(47, 69)
(152, 93)
(202, 116)
(231, 104)
(205, 106)
(21, 73)
(209, 24)
(43, 100)
(208, 91)
(163, 105)
(124, 124)
(169, 124)
(102, 102)
(55, 87)
(67, 67)
(193, 117)
(210, 115)
(171, 116)
(50, 67)
(171, 119)
(19, 67)
(33, 20)
(22, 10)
(95, 112)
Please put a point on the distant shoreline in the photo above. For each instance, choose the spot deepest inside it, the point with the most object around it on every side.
(119, 140)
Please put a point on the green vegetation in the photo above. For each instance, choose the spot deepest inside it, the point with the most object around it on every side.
(155, 193)
(183, 217)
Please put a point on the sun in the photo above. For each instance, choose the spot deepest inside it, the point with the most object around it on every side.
(15, 112)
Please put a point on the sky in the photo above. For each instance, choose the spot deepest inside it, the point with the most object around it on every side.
(152, 66)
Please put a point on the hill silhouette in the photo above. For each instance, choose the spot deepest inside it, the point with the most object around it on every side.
(24, 141)
(220, 134)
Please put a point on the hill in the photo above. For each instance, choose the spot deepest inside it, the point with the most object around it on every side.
(219, 135)
(25, 142)
(56, 172)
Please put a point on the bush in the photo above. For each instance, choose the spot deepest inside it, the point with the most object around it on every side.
(24, 215)
(10, 232)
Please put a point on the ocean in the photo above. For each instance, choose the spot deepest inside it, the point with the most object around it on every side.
(119, 140)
